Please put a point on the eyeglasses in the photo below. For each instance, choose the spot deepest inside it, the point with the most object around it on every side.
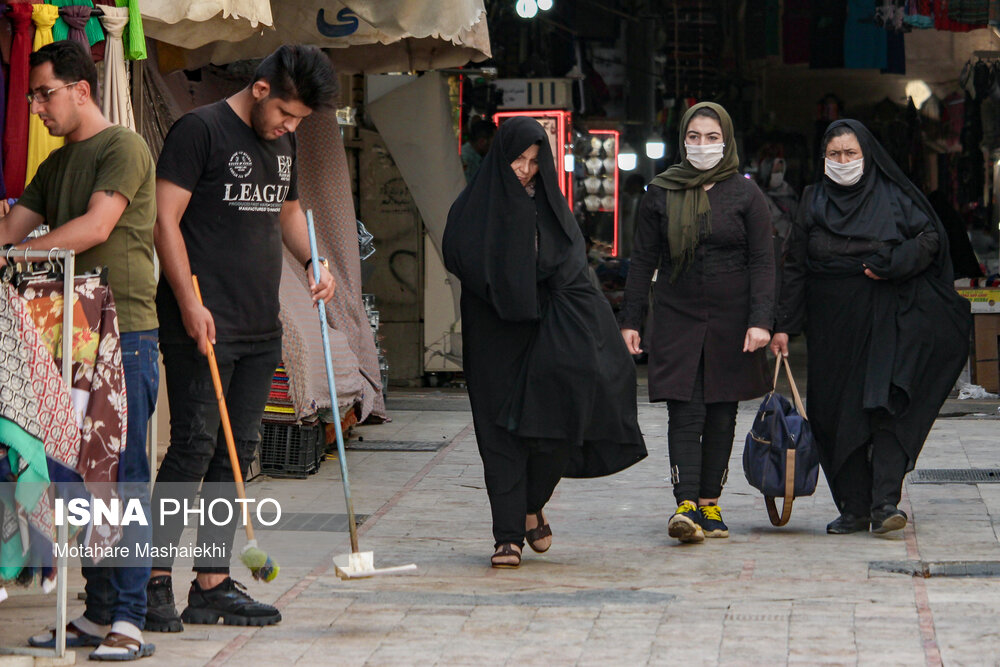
(42, 96)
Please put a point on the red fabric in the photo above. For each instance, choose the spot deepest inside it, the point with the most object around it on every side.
(942, 22)
(15, 135)
(795, 32)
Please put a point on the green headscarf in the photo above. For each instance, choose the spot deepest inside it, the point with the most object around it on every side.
(689, 216)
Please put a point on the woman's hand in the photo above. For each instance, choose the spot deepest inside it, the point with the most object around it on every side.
(871, 274)
(632, 340)
(779, 344)
(756, 338)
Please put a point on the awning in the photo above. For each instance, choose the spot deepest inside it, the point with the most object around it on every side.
(193, 23)
(383, 35)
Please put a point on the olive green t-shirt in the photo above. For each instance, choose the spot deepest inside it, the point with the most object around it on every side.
(116, 159)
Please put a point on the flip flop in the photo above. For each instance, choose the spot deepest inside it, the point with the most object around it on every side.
(75, 638)
(133, 648)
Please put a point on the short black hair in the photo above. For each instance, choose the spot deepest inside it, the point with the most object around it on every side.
(302, 73)
(70, 62)
(481, 129)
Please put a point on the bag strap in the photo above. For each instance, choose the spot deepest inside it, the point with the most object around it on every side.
(796, 397)
(789, 499)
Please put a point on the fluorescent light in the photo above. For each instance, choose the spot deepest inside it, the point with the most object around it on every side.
(545, 5)
(569, 162)
(627, 159)
(526, 9)
(655, 148)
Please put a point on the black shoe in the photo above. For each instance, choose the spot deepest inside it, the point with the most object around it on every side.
(229, 602)
(161, 611)
(684, 524)
(848, 523)
(887, 518)
(711, 521)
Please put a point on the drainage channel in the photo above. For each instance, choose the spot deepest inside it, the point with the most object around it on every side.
(955, 476)
(937, 568)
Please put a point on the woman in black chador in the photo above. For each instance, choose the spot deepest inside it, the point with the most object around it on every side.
(708, 230)
(868, 276)
(551, 384)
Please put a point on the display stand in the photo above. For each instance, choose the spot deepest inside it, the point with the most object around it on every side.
(67, 259)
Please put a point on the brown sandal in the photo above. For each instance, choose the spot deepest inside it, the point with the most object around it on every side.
(506, 550)
(538, 533)
(132, 649)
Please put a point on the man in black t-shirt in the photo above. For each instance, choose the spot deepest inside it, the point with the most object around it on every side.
(227, 201)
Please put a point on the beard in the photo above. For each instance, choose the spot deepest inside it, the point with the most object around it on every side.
(257, 119)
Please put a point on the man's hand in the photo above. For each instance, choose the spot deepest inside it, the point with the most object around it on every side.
(779, 344)
(632, 340)
(200, 325)
(326, 287)
(755, 339)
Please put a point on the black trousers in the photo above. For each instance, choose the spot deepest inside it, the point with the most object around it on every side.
(872, 476)
(520, 478)
(198, 451)
(700, 441)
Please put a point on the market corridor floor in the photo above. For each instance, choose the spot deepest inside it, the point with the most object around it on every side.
(614, 588)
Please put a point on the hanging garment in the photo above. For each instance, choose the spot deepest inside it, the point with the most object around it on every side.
(975, 13)
(15, 146)
(864, 42)
(826, 33)
(40, 142)
(135, 39)
(76, 18)
(3, 106)
(944, 21)
(117, 102)
(61, 30)
(795, 32)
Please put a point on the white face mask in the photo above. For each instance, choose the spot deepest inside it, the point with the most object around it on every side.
(777, 178)
(845, 174)
(704, 157)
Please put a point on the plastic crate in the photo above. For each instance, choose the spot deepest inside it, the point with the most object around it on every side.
(289, 450)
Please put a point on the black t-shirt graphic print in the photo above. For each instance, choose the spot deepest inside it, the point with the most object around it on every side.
(231, 227)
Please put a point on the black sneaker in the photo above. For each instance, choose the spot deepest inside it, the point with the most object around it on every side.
(711, 521)
(848, 523)
(229, 602)
(161, 611)
(684, 524)
(887, 518)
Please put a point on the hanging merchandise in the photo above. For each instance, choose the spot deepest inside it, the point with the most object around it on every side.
(864, 42)
(795, 32)
(76, 18)
(40, 142)
(828, 18)
(15, 148)
(135, 39)
(117, 102)
(3, 106)
(973, 13)
(943, 19)
(91, 27)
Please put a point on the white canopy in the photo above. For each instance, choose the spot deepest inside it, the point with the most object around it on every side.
(384, 35)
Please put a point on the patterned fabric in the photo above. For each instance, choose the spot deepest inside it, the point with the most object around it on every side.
(98, 382)
(324, 186)
(40, 142)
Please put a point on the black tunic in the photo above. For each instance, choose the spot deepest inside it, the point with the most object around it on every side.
(893, 346)
(543, 357)
(726, 290)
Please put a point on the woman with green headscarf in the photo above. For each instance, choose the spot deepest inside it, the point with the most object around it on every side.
(708, 231)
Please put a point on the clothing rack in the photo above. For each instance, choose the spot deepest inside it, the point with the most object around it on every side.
(67, 258)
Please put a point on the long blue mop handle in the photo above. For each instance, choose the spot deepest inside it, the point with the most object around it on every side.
(332, 383)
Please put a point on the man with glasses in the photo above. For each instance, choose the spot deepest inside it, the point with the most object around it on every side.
(97, 193)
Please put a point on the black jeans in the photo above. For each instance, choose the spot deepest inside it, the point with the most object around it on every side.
(700, 441)
(872, 476)
(520, 478)
(197, 449)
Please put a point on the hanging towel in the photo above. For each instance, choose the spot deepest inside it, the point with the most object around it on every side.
(15, 145)
(135, 39)
(117, 103)
(40, 142)
(61, 30)
(76, 18)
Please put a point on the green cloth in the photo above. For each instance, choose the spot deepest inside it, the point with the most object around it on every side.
(31, 484)
(134, 38)
(93, 28)
(689, 215)
(118, 160)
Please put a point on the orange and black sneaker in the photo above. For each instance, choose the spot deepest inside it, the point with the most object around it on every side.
(684, 525)
(711, 521)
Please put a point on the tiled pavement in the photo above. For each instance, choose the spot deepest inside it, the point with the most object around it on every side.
(614, 589)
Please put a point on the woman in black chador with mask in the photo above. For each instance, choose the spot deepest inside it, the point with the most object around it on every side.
(868, 276)
(552, 386)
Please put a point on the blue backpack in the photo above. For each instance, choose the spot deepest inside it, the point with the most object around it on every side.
(780, 458)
